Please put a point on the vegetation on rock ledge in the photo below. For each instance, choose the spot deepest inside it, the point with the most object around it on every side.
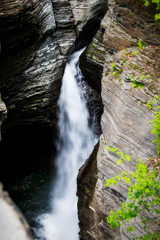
(144, 193)
(157, 2)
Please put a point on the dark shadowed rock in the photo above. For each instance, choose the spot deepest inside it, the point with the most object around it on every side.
(34, 44)
(3, 114)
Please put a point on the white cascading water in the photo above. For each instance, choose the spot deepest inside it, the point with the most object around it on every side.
(75, 144)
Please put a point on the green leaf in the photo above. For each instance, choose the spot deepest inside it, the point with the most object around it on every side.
(118, 178)
(157, 16)
(140, 44)
(146, 3)
(127, 157)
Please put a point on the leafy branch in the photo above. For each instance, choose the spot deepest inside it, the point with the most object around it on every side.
(142, 195)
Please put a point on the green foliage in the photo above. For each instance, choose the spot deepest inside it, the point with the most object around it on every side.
(113, 66)
(130, 54)
(140, 192)
(156, 128)
(156, 121)
(116, 71)
(151, 102)
(126, 52)
(124, 61)
(157, 16)
(118, 153)
(135, 82)
(149, 236)
(149, 78)
(157, 2)
(148, 2)
(140, 77)
(140, 44)
(135, 53)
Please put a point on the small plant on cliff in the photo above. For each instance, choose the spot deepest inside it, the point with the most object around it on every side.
(116, 71)
(156, 128)
(142, 194)
(156, 121)
(140, 44)
(135, 82)
(151, 102)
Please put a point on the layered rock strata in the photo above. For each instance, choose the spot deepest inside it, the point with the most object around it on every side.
(130, 80)
(35, 38)
(84, 11)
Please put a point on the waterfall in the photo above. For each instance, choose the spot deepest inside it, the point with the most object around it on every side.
(75, 143)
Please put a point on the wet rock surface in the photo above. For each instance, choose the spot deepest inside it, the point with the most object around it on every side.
(125, 116)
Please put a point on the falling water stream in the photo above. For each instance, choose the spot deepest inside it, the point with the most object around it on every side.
(75, 143)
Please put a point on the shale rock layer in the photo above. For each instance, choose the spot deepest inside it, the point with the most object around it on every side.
(35, 38)
(130, 79)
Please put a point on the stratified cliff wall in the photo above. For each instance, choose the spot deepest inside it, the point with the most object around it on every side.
(35, 37)
(35, 40)
(125, 116)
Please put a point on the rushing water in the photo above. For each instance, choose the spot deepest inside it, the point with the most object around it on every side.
(75, 143)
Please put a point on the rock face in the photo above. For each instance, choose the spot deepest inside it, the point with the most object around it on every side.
(83, 11)
(91, 23)
(35, 38)
(12, 224)
(86, 179)
(130, 79)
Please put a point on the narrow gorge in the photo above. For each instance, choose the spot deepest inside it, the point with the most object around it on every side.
(119, 80)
